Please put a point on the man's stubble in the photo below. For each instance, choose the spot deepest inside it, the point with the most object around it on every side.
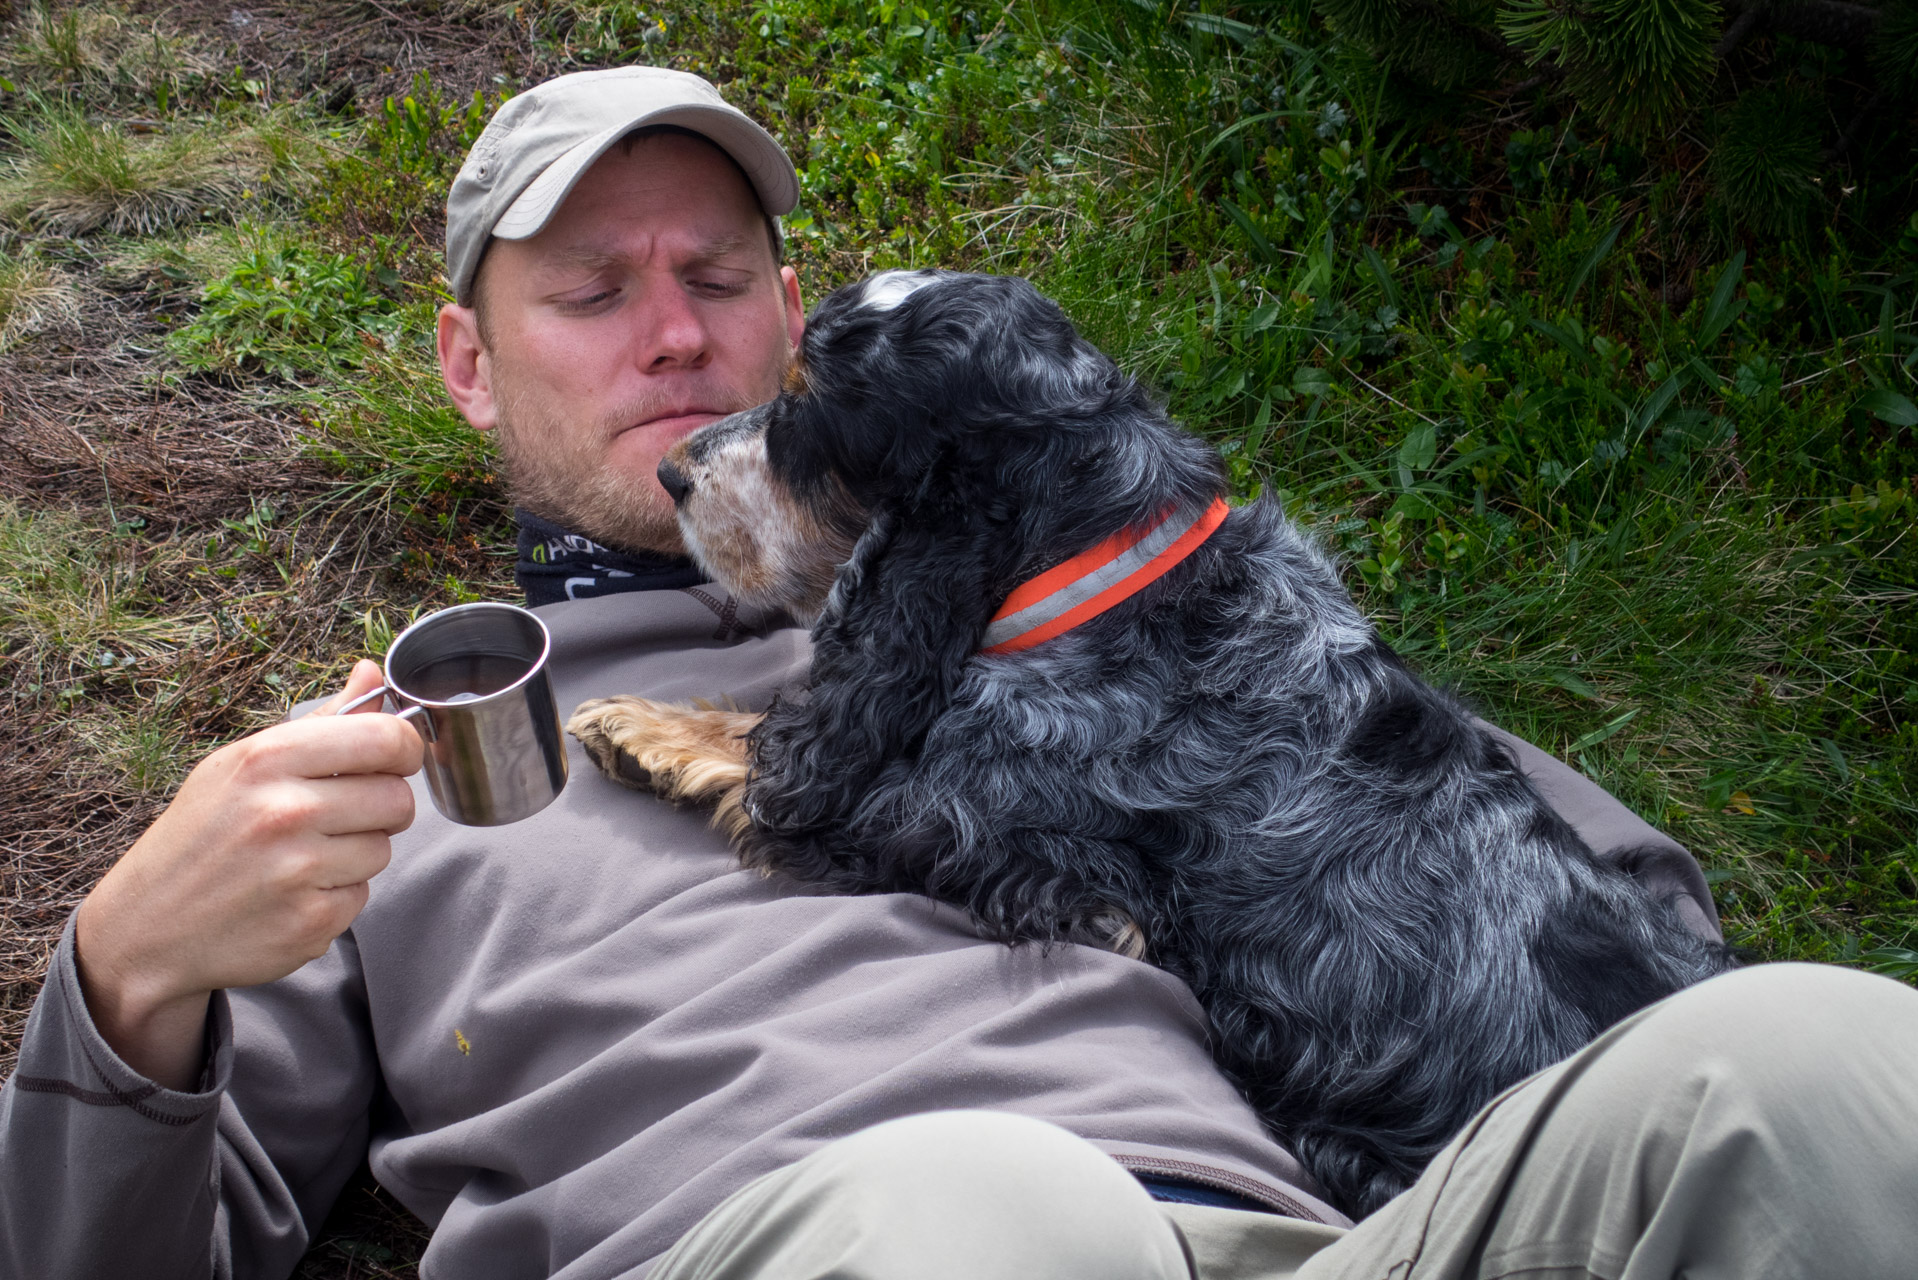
(562, 475)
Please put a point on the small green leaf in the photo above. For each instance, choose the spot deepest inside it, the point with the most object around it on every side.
(1420, 448)
(1214, 24)
(1661, 399)
(1721, 311)
(1261, 423)
(1574, 685)
(1246, 122)
(1837, 758)
(1566, 336)
(1898, 410)
(1259, 242)
(1589, 263)
(1413, 506)
(1384, 277)
(1599, 735)
(1893, 962)
(1311, 381)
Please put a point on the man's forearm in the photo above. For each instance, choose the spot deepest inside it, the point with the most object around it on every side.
(260, 861)
(162, 1038)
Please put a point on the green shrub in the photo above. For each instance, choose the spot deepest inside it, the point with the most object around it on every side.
(393, 188)
(289, 310)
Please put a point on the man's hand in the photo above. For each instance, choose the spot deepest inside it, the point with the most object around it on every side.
(259, 863)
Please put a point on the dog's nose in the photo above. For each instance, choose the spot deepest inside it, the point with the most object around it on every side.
(674, 482)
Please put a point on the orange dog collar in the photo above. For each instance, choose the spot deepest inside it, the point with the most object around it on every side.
(1093, 581)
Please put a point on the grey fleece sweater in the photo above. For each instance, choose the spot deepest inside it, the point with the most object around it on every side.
(564, 1041)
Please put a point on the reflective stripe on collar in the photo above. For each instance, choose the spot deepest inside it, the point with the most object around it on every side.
(1093, 581)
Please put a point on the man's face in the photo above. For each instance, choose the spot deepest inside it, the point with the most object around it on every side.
(649, 306)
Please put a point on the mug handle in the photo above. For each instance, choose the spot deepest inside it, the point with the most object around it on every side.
(424, 724)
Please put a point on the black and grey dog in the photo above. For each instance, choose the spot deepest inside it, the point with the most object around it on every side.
(1225, 771)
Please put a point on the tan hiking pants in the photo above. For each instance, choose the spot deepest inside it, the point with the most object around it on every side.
(1761, 1125)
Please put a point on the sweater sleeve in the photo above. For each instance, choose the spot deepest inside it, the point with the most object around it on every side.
(1616, 834)
(105, 1174)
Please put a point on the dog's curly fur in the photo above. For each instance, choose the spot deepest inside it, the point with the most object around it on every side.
(1385, 922)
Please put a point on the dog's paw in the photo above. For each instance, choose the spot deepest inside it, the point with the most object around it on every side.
(696, 754)
(612, 732)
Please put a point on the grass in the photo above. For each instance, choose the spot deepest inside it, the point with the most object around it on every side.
(75, 599)
(34, 296)
(1638, 487)
(71, 175)
(102, 52)
(146, 755)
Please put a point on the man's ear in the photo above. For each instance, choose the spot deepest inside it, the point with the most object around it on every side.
(795, 309)
(466, 367)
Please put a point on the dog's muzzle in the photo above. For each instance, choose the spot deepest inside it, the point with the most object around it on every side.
(674, 482)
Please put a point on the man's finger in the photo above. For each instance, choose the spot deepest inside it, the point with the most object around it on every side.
(349, 900)
(354, 859)
(367, 802)
(326, 746)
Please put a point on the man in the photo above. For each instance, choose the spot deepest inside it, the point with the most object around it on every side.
(587, 1045)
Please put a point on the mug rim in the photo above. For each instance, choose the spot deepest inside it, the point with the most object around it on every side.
(538, 664)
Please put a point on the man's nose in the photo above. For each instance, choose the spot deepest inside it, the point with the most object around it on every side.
(674, 482)
(677, 336)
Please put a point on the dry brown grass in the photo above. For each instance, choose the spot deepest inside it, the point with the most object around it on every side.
(34, 296)
(131, 518)
(75, 174)
(99, 49)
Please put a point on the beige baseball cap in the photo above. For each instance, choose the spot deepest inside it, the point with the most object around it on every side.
(538, 144)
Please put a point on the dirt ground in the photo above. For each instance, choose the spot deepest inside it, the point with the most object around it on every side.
(83, 430)
(156, 474)
(87, 429)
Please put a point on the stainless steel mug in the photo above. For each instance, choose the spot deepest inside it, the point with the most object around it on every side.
(473, 680)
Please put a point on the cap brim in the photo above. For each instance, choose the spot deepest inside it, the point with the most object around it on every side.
(761, 159)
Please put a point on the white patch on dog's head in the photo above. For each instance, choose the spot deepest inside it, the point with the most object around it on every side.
(890, 288)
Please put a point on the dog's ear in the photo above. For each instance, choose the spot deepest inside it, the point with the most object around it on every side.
(905, 615)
